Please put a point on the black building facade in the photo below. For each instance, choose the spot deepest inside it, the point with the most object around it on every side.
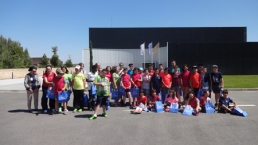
(133, 37)
(232, 58)
(223, 46)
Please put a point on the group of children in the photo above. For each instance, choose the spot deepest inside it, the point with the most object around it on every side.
(158, 84)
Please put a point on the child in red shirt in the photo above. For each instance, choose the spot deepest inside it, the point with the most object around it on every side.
(136, 82)
(59, 85)
(204, 99)
(195, 80)
(141, 102)
(194, 102)
(153, 98)
(126, 84)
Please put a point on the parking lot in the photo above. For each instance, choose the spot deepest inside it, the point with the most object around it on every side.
(19, 127)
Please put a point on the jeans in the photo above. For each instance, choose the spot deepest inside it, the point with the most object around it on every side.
(164, 93)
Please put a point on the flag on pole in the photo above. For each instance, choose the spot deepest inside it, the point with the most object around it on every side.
(154, 50)
(142, 46)
(150, 48)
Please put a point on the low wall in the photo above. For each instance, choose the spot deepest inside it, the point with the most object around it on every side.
(20, 73)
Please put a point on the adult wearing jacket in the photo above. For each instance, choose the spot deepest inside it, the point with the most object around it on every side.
(32, 85)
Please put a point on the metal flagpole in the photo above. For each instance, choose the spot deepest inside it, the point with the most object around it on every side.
(159, 53)
(151, 54)
(167, 54)
(144, 56)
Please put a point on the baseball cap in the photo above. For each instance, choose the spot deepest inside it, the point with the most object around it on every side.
(194, 66)
(214, 66)
(141, 68)
(77, 67)
(59, 71)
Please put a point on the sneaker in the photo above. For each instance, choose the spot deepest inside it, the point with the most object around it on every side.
(196, 114)
(216, 105)
(93, 117)
(36, 110)
(65, 111)
(60, 110)
(45, 111)
(105, 115)
(80, 110)
(75, 110)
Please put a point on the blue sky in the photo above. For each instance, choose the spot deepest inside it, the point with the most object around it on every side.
(41, 24)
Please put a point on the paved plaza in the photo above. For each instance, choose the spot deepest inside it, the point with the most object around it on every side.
(19, 127)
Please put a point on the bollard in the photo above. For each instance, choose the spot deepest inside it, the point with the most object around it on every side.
(12, 75)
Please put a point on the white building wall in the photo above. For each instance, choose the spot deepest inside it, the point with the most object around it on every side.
(112, 57)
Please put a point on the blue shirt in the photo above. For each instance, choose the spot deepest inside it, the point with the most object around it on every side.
(171, 69)
(225, 101)
(204, 84)
(130, 72)
(156, 81)
(215, 78)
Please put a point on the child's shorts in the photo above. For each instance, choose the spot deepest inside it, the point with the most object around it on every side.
(101, 100)
(177, 89)
(127, 90)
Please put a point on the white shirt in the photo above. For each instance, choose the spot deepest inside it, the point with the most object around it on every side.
(91, 76)
(146, 81)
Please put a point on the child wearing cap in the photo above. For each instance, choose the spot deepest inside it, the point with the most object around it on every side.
(224, 103)
(217, 83)
(59, 83)
(78, 86)
(195, 80)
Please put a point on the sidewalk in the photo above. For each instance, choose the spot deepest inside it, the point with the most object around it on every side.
(14, 85)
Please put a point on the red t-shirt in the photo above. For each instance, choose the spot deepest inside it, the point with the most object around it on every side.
(193, 102)
(109, 76)
(167, 79)
(204, 100)
(49, 78)
(135, 79)
(161, 73)
(151, 73)
(126, 80)
(59, 84)
(196, 78)
(185, 78)
(141, 100)
(154, 99)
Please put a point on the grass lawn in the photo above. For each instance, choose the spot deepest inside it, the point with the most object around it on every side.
(240, 81)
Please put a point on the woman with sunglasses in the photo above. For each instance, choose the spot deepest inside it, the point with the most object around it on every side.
(32, 85)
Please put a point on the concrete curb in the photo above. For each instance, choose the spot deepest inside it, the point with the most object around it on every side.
(242, 89)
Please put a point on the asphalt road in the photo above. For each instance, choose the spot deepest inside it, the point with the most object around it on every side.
(17, 127)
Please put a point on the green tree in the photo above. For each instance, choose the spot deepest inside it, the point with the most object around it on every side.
(12, 54)
(69, 63)
(27, 58)
(44, 61)
(91, 56)
(55, 58)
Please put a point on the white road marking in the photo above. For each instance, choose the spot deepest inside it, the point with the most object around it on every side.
(244, 105)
